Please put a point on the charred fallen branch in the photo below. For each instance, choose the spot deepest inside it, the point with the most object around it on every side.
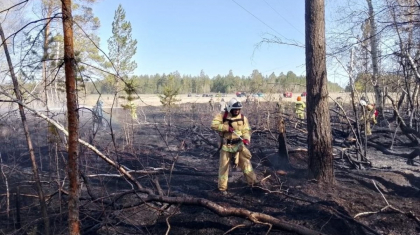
(156, 172)
(412, 134)
(225, 211)
(255, 217)
(353, 161)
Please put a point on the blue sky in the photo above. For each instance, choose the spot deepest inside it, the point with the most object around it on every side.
(213, 35)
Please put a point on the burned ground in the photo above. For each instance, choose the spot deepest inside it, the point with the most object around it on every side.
(177, 156)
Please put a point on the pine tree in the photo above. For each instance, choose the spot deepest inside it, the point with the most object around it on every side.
(130, 89)
(321, 165)
(121, 47)
(168, 97)
(169, 93)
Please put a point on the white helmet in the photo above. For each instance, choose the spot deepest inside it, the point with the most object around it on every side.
(363, 103)
(233, 104)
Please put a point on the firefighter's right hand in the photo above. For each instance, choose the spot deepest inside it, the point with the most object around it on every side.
(231, 130)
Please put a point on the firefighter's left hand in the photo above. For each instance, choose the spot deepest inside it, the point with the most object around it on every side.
(246, 142)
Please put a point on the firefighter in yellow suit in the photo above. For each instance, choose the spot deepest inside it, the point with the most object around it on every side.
(300, 108)
(368, 115)
(235, 132)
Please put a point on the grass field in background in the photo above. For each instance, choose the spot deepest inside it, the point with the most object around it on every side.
(153, 99)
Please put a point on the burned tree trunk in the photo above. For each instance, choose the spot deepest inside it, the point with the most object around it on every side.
(379, 98)
(45, 56)
(28, 137)
(73, 119)
(411, 133)
(283, 153)
(319, 128)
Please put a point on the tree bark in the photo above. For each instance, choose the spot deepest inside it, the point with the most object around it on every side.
(73, 119)
(379, 98)
(318, 115)
(28, 136)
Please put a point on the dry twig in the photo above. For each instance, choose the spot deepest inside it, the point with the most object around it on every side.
(388, 206)
(237, 226)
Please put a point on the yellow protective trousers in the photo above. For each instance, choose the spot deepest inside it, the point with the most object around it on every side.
(301, 115)
(244, 163)
(368, 129)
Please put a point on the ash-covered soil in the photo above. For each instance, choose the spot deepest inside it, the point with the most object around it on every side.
(177, 155)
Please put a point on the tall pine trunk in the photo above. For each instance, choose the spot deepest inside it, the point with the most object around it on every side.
(28, 137)
(73, 121)
(318, 115)
(45, 56)
(379, 98)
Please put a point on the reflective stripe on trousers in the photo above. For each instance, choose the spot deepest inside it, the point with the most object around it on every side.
(244, 164)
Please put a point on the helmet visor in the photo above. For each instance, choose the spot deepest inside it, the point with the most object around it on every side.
(237, 105)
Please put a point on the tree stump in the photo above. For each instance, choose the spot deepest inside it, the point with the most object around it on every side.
(283, 152)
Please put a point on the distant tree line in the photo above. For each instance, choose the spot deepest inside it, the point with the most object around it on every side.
(229, 83)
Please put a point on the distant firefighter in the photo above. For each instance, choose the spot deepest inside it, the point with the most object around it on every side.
(222, 105)
(279, 105)
(300, 108)
(97, 114)
(211, 103)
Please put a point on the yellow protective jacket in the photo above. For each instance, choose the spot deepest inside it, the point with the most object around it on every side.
(370, 114)
(300, 107)
(240, 126)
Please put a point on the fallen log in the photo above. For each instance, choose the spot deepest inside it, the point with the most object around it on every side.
(225, 211)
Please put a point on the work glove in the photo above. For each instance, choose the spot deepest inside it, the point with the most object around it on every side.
(231, 130)
(246, 142)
